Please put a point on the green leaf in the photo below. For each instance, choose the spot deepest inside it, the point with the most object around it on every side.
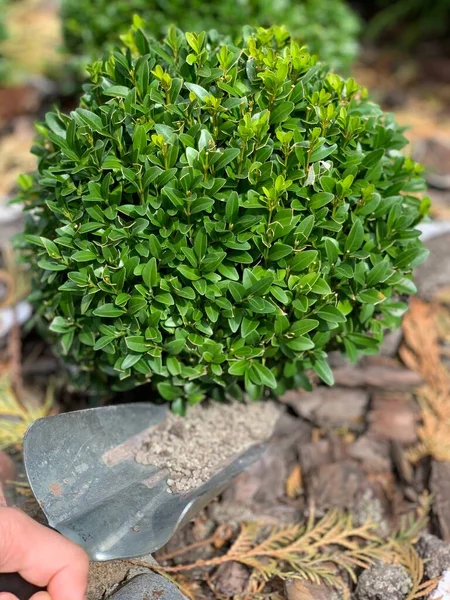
(371, 297)
(248, 326)
(378, 273)
(260, 287)
(322, 152)
(232, 207)
(139, 139)
(322, 368)
(198, 90)
(321, 287)
(61, 325)
(279, 250)
(302, 260)
(281, 111)
(331, 314)
(238, 368)
(84, 256)
(320, 199)
(355, 237)
(189, 273)
(150, 273)
(201, 204)
(173, 366)
(264, 375)
(332, 249)
(117, 91)
(103, 342)
(90, 119)
(225, 158)
(108, 310)
(175, 346)
(303, 326)
(168, 392)
(411, 258)
(137, 343)
(300, 344)
(129, 361)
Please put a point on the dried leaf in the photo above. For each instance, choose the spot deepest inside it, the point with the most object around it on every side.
(294, 483)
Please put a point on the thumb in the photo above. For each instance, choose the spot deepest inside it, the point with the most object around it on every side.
(42, 557)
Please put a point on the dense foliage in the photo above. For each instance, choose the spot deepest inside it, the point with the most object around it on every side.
(213, 218)
(328, 27)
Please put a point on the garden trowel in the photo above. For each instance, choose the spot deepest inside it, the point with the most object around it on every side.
(83, 473)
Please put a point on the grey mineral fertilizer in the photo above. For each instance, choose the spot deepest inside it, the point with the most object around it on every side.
(195, 447)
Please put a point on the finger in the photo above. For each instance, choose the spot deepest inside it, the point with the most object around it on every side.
(6, 596)
(42, 556)
(40, 596)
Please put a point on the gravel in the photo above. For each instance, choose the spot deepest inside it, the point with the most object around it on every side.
(384, 582)
(195, 447)
(435, 553)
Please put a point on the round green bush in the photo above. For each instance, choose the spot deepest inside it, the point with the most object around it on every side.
(214, 218)
(328, 27)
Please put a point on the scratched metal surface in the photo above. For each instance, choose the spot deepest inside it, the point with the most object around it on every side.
(82, 471)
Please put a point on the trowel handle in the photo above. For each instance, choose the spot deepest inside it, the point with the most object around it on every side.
(15, 584)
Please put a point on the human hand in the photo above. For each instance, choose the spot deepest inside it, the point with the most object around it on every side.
(42, 557)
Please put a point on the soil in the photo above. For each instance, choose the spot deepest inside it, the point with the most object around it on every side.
(183, 444)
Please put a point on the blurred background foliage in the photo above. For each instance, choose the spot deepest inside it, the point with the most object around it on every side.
(328, 27)
(56, 39)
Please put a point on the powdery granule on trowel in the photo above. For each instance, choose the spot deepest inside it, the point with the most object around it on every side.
(196, 447)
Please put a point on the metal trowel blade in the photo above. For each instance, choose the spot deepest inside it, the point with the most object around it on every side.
(82, 471)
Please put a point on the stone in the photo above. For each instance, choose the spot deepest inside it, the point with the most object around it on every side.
(234, 513)
(434, 274)
(434, 154)
(393, 416)
(105, 577)
(150, 586)
(369, 507)
(329, 407)
(440, 489)
(384, 582)
(372, 454)
(322, 452)
(388, 377)
(230, 579)
(435, 553)
(391, 343)
(334, 486)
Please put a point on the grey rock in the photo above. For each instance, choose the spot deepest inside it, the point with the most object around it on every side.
(329, 407)
(148, 586)
(384, 582)
(436, 554)
(391, 343)
(231, 579)
(440, 489)
(435, 272)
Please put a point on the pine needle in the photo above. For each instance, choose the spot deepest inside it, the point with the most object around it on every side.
(15, 417)
(316, 552)
(319, 552)
(422, 354)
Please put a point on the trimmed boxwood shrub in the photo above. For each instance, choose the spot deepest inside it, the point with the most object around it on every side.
(328, 27)
(216, 218)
